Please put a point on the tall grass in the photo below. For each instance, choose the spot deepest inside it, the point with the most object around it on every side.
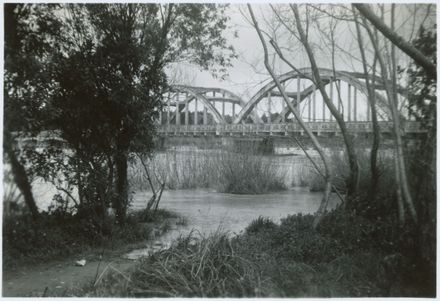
(341, 171)
(347, 256)
(247, 173)
(203, 267)
(231, 171)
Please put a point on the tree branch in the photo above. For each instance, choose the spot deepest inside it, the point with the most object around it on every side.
(397, 40)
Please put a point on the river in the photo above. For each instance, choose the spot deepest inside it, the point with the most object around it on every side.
(207, 211)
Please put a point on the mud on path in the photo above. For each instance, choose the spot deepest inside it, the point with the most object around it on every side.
(63, 278)
(59, 278)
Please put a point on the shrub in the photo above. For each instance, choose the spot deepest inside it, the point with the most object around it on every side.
(208, 267)
(260, 224)
(246, 173)
(55, 235)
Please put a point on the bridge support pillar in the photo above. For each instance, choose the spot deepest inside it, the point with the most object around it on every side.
(186, 110)
(368, 110)
(339, 102)
(169, 108)
(349, 102)
(331, 97)
(223, 105)
(269, 108)
(177, 113)
(314, 103)
(355, 104)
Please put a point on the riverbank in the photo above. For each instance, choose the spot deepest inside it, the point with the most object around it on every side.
(346, 256)
(49, 267)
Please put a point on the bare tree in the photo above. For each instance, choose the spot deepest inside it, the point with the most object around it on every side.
(401, 176)
(372, 103)
(155, 198)
(316, 144)
(353, 182)
(397, 40)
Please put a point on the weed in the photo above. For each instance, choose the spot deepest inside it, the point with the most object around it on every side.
(54, 236)
(344, 257)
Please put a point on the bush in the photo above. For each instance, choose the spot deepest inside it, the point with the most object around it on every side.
(347, 256)
(56, 235)
(209, 267)
(260, 224)
(242, 171)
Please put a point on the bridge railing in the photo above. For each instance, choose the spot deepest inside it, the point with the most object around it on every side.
(317, 127)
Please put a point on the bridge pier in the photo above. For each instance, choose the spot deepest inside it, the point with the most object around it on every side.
(331, 97)
(349, 102)
(186, 109)
(355, 104)
(314, 103)
(169, 108)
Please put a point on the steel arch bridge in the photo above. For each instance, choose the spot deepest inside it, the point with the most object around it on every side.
(225, 113)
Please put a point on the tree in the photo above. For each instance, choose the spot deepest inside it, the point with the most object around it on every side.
(423, 61)
(316, 144)
(30, 31)
(401, 173)
(111, 84)
(372, 103)
(353, 181)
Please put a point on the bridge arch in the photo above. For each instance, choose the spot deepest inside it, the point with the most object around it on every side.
(200, 93)
(327, 75)
(193, 93)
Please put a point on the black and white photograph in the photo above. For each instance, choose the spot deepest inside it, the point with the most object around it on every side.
(219, 150)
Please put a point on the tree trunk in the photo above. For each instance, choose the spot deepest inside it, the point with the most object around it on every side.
(372, 102)
(309, 133)
(397, 40)
(20, 176)
(121, 187)
(353, 183)
(401, 179)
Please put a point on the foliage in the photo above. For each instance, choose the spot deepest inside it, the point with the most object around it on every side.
(240, 170)
(346, 256)
(58, 234)
(422, 88)
(259, 224)
(206, 268)
(94, 76)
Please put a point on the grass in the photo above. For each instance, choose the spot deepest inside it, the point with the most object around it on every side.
(347, 256)
(340, 172)
(247, 173)
(54, 237)
(231, 171)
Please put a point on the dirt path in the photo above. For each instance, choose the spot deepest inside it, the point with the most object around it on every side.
(61, 278)
(64, 279)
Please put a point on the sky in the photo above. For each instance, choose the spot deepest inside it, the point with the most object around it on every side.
(248, 75)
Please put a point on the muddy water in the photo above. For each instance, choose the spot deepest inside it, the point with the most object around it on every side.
(206, 211)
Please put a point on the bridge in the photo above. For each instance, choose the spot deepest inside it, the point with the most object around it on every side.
(192, 111)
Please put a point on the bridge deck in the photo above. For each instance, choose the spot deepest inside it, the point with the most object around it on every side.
(412, 127)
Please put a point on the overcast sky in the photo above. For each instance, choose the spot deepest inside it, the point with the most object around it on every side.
(244, 78)
(248, 75)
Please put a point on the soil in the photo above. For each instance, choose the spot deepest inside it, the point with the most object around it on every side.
(63, 278)
(60, 278)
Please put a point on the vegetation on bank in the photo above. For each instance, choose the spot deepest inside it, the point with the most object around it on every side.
(347, 256)
(58, 235)
(241, 169)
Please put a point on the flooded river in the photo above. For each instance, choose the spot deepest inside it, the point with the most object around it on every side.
(207, 211)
